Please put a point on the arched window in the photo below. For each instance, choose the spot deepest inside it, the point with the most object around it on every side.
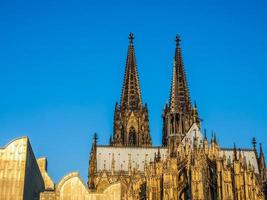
(185, 194)
(132, 137)
(142, 193)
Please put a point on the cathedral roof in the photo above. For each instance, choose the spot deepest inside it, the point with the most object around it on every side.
(248, 154)
(193, 133)
(137, 156)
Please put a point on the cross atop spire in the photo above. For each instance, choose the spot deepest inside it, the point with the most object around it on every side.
(131, 38)
(177, 40)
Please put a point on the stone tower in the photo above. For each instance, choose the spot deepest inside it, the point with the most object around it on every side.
(178, 115)
(131, 124)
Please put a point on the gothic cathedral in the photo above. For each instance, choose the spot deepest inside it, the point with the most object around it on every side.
(186, 165)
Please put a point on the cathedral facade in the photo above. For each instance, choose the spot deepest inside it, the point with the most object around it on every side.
(186, 165)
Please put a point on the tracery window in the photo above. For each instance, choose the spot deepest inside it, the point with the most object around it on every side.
(132, 137)
(142, 193)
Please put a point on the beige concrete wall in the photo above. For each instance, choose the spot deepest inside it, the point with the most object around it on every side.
(48, 195)
(18, 168)
(33, 183)
(12, 169)
(71, 187)
(49, 184)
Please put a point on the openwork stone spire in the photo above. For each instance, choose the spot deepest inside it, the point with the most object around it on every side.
(178, 115)
(131, 95)
(179, 96)
(174, 95)
(131, 124)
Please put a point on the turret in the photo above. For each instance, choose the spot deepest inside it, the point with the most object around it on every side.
(92, 164)
(262, 164)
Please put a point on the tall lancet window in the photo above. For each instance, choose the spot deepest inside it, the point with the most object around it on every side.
(132, 137)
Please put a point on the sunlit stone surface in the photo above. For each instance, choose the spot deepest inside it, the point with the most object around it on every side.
(20, 177)
(71, 187)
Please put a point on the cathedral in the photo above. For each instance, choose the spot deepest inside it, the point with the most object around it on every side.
(186, 165)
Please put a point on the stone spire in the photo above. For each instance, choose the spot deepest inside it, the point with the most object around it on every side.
(131, 123)
(178, 116)
(174, 94)
(179, 96)
(254, 143)
(262, 164)
(131, 95)
(92, 164)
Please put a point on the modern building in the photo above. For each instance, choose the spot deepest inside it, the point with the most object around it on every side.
(20, 176)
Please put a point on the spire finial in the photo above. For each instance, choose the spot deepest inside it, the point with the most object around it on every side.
(177, 40)
(95, 137)
(131, 38)
(254, 143)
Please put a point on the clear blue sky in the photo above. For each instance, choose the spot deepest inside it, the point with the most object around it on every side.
(62, 66)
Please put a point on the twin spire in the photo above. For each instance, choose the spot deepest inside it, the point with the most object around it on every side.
(179, 95)
(131, 95)
(131, 123)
